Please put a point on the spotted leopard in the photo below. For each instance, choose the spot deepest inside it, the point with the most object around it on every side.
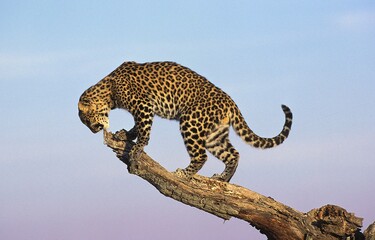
(172, 91)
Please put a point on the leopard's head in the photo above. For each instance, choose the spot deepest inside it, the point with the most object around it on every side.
(94, 114)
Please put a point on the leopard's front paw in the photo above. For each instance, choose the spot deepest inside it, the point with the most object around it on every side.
(221, 177)
(136, 152)
(125, 154)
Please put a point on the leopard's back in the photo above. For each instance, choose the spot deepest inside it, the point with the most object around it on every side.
(170, 87)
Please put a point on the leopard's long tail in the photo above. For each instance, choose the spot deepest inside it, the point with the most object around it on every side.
(242, 129)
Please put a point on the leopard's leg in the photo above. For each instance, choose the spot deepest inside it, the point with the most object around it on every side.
(219, 145)
(143, 119)
(194, 146)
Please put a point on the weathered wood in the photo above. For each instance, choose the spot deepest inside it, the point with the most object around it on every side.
(225, 200)
(370, 232)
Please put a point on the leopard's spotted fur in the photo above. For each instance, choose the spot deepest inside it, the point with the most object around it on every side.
(173, 91)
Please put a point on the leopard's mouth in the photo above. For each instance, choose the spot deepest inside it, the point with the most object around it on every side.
(96, 127)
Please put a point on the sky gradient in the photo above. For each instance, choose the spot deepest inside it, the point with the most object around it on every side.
(58, 180)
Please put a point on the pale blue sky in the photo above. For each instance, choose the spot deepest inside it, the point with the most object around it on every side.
(57, 179)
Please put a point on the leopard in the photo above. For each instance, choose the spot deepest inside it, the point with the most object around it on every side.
(172, 91)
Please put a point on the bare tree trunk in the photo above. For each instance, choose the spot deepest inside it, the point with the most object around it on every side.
(276, 220)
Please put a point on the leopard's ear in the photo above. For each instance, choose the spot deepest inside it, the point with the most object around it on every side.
(85, 105)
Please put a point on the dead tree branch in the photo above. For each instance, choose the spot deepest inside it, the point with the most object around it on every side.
(225, 200)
